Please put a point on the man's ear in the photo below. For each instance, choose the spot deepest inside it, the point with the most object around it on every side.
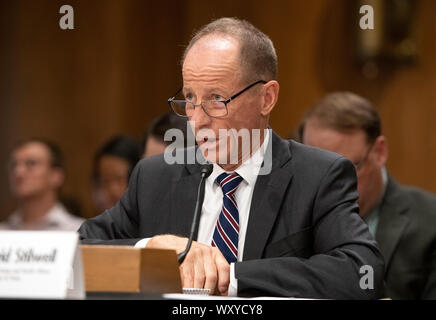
(381, 150)
(57, 177)
(271, 94)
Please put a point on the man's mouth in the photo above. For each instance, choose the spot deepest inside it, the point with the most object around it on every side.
(206, 140)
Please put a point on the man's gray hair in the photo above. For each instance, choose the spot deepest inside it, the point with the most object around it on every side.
(258, 56)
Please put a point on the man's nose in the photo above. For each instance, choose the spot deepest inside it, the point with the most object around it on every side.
(199, 117)
(18, 169)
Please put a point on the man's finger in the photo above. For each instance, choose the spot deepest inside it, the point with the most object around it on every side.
(223, 270)
(211, 272)
(187, 274)
(199, 272)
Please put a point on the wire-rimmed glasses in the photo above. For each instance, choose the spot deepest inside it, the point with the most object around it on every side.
(213, 108)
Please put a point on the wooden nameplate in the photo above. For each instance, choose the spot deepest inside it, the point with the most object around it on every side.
(129, 269)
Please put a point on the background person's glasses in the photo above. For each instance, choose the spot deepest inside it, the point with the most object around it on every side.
(359, 165)
(213, 108)
(29, 164)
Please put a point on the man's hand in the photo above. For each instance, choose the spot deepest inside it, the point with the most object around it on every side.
(204, 266)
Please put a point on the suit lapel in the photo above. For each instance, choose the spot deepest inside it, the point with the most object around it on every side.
(392, 221)
(267, 198)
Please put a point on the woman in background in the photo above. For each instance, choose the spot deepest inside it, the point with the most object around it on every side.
(113, 164)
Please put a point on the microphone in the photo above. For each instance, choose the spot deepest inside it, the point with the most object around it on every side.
(206, 170)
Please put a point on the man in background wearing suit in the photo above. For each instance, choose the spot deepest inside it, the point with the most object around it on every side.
(401, 218)
(291, 230)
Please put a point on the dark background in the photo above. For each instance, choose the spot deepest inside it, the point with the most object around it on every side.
(115, 71)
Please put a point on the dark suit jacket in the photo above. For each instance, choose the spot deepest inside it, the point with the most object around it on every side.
(406, 234)
(304, 236)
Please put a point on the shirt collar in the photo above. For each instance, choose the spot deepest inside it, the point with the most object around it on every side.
(249, 169)
(52, 218)
(374, 213)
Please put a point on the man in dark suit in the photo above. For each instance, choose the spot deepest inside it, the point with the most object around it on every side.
(279, 218)
(401, 218)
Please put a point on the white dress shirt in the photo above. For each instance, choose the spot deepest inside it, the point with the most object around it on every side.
(213, 200)
(57, 218)
(372, 217)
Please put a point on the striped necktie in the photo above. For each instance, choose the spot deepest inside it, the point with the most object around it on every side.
(226, 234)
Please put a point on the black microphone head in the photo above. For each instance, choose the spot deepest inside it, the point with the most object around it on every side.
(206, 169)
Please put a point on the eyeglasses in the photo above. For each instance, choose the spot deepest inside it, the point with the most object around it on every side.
(29, 164)
(360, 164)
(213, 108)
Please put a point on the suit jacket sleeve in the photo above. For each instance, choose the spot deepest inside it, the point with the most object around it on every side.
(341, 246)
(430, 286)
(118, 225)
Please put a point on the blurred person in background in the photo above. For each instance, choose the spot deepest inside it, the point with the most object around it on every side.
(153, 142)
(36, 174)
(113, 164)
(402, 218)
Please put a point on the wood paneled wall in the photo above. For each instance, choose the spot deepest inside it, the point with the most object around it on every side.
(113, 73)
